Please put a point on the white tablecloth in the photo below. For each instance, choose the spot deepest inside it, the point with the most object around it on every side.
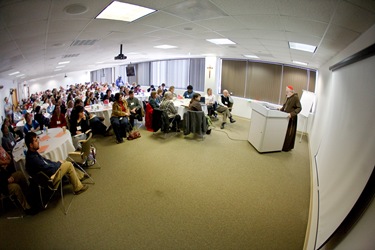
(55, 146)
(101, 110)
(183, 104)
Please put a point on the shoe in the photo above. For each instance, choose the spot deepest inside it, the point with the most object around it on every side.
(208, 132)
(118, 142)
(83, 189)
(222, 125)
(232, 120)
(85, 176)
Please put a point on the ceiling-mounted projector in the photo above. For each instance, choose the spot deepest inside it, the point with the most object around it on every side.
(120, 56)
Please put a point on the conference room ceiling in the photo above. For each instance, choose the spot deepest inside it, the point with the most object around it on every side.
(38, 34)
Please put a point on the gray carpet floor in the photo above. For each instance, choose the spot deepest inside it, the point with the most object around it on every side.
(178, 192)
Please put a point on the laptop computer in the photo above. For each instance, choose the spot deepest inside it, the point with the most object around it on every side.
(202, 100)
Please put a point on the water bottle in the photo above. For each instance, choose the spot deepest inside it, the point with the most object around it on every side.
(45, 130)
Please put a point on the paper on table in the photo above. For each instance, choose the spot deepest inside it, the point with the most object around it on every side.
(59, 134)
(44, 138)
(42, 148)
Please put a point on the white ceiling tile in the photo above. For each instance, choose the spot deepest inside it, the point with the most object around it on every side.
(160, 19)
(304, 26)
(313, 10)
(264, 22)
(221, 24)
(245, 7)
(31, 29)
(18, 12)
(347, 12)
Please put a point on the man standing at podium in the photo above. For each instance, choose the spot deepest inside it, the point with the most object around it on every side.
(292, 106)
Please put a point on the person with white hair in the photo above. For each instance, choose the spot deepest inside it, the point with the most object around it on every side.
(292, 106)
(225, 103)
(172, 112)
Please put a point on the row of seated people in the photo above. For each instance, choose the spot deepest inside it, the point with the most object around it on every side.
(223, 105)
(14, 184)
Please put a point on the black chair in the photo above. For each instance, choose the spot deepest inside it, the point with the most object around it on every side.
(46, 184)
(14, 201)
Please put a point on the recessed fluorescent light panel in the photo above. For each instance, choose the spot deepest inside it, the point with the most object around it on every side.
(301, 63)
(56, 69)
(65, 62)
(251, 56)
(220, 41)
(165, 46)
(303, 47)
(61, 66)
(14, 73)
(124, 12)
(20, 75)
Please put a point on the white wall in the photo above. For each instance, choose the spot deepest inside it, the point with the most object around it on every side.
(58, 80)
(326, 92)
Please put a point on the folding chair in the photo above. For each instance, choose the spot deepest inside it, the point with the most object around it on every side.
(14, 201)
(81, 157)
(46, 183)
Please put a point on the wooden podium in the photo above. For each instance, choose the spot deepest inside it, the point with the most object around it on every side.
(268, 127)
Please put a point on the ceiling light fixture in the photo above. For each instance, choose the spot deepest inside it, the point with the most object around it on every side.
(303, 47)
(65, 62)
(165, 46)
(57, 69)
(251, 56)
(20, 75)
(300, 63)
(61, 66)
(220, 41)
(124, 12)
(14, 73)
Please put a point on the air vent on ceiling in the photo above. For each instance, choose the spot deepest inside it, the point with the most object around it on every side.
(70, 55)
(83, 42)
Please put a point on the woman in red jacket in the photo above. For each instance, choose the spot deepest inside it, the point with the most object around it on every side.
(57, 119)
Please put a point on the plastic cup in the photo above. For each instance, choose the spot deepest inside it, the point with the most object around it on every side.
(64, 129)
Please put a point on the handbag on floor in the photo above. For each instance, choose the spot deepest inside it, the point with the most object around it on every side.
(134, 134)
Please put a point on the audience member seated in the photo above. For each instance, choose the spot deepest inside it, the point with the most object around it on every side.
(153, 100)
(8, 141)
(40, 118)
(171, 89)
(51, 105)
(91, 99)
(17, 115)
(189, 92)
(30, 125)
(135, 108)
(94, 121)
(13, 182)
(195, 105)
(58, 119)
(225, 104)
(119, 117)
(78, 125)
(151, 88)
(168, 106)
(159, 95)
(211, 103)
(18, 134)
(36, 163)
(108, 97)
